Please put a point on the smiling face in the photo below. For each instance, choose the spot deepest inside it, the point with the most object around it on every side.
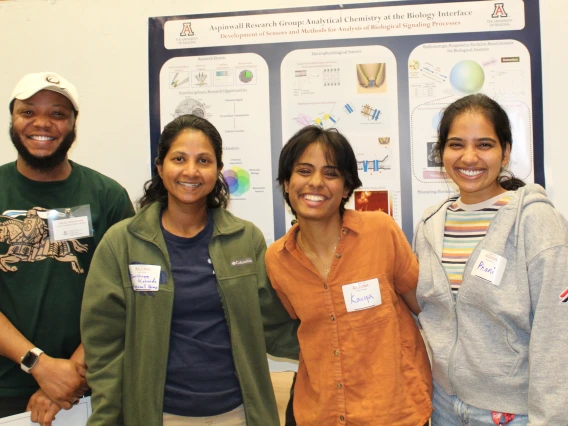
(43, 129)
(189, 170)
(316, 187)
(473, 157)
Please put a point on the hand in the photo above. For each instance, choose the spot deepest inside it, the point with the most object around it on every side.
(43, 409)
(62, 380)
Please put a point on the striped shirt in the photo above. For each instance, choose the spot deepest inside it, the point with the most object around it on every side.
(466, 225)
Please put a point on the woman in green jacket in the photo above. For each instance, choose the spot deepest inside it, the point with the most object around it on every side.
(178, 313)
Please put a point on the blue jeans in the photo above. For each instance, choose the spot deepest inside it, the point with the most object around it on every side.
(451, 411)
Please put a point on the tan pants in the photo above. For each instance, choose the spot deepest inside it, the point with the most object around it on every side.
(234, 417)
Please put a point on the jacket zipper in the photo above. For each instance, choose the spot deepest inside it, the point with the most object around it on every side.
(162, 385)
(454, 309)
(451, 359)
(223, 301)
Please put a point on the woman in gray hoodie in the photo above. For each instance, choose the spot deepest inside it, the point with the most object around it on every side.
(493, 282)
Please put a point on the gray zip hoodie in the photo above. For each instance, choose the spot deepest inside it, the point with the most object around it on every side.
(502, 347)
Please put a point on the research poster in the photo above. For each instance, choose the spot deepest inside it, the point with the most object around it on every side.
(380, 73)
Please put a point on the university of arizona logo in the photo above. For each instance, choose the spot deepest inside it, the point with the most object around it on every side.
(28, 241)
(564, 296)
(499, 11)
(186, 31)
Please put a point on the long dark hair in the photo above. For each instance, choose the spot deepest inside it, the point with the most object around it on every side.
(154, 189)
(338, 152)
(495, 114)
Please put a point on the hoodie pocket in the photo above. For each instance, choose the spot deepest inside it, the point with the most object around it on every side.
(484, 344)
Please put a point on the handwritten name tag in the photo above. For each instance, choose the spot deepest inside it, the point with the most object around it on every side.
(145, 277)
(489, 267)
(362, 295)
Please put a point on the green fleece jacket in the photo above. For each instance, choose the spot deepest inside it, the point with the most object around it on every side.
(126, 333)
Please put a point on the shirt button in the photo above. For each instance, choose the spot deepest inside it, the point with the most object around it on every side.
(325, 286)
(332, 318)
(339, 385)
(336, 352)
(338, 255)
(342, 418)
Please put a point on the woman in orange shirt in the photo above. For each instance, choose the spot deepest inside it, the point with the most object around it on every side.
(350, 277)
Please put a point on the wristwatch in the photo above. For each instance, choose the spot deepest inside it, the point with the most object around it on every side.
(30, 359)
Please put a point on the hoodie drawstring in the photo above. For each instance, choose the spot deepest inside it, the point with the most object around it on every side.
(518, 216)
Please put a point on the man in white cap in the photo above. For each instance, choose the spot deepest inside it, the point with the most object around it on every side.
(53, 213)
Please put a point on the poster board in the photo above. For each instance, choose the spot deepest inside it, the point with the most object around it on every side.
(380, 73)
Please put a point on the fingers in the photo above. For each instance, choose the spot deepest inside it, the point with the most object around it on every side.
(81, 370)
(37, 414)
(84, 386)
(43, 410)
(66, 405)
(50, 416)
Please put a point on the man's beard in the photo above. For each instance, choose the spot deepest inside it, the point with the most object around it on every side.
(47, 162)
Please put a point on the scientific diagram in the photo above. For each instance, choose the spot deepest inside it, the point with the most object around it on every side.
(246, 76)
(223, 77)
(370, 112)
(238, 180)
(372, 201)
(178, 79)
(326, 119)
(371, 78)
(467, 77)
(190, 106)
(373, 158)
(331, 77)
(201, 78)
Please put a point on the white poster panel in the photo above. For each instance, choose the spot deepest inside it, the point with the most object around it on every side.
(353, 90)
(230, 91)
(439, 74)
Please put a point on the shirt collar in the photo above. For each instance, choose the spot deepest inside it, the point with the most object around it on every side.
(351, 222)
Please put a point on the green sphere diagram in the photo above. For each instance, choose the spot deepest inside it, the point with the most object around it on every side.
(467, 77)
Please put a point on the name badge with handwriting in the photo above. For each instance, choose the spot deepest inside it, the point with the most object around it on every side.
(145, 277)
(362, 295)
(489, 267)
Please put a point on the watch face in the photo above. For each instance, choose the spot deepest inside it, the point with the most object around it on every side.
(29, 359)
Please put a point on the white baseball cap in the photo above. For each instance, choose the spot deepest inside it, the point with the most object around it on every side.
(30, 84)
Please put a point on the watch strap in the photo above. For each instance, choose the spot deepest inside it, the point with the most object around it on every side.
(28, 366)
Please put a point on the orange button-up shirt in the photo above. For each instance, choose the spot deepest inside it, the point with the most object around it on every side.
(368, 367)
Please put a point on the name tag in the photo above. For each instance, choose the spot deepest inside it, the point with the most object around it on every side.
(70, 223)
(489, 267)
(72, 228)
(145, 277)
(362, 295)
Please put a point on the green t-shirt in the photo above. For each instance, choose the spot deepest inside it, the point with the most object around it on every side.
(41, 283)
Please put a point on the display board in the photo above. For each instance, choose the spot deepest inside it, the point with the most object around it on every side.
(381, 73)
